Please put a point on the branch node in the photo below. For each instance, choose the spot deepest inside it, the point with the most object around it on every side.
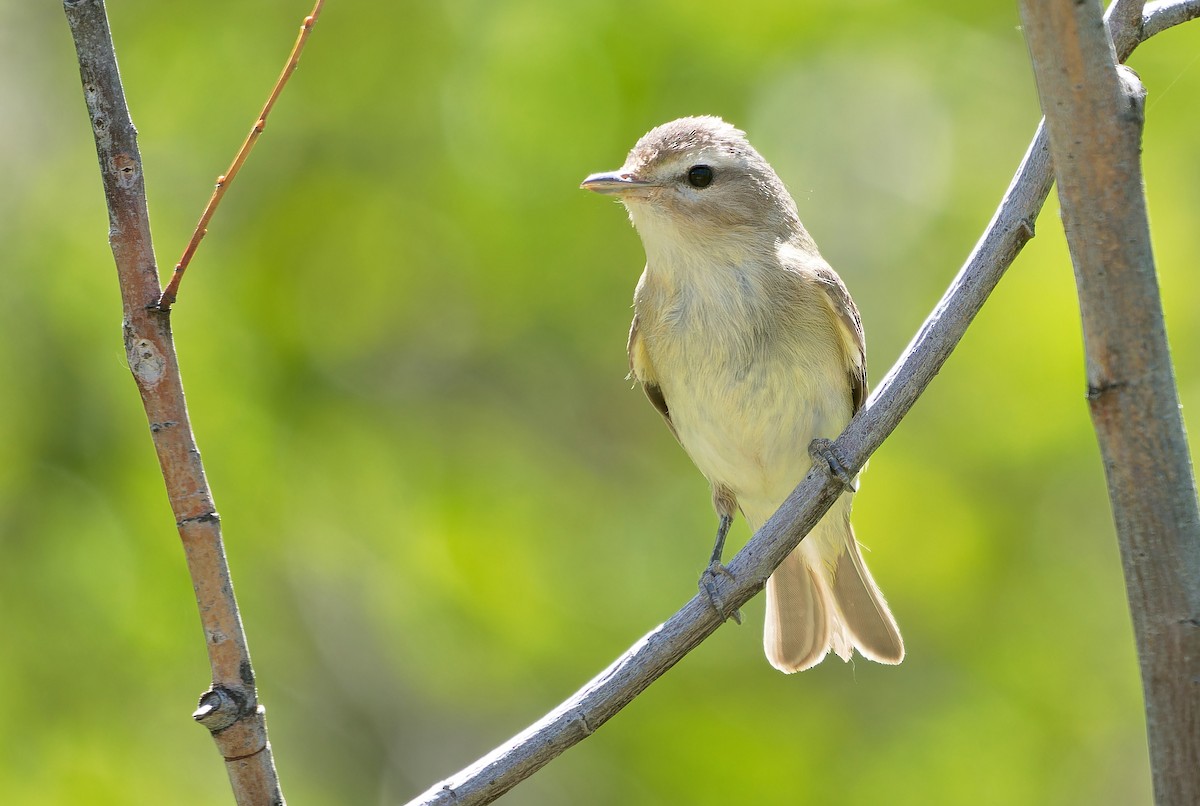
(207, 517)
(219, 708)
(1135, 94)
(1098, 390)
(584, 725)
(1026, 229)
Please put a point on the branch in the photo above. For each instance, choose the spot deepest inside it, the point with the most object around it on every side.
(167, 298)
(1159, 16)
(1095, 114)
(230, 709)
(659, 650)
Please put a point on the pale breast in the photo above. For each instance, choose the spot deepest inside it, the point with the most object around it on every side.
(748, 389)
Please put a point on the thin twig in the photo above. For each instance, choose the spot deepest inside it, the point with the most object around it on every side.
(615, 687)
(230, 709)
(167, 298)
(1094, 115)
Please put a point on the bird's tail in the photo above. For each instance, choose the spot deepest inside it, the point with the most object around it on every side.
(822, 597)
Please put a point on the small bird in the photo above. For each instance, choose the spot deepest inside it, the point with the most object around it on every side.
(750, 347)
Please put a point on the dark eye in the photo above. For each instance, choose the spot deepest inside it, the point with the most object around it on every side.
(700, 176)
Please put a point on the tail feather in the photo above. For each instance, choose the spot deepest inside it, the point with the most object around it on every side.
(817, 603)
(862, 609)
(796, 634)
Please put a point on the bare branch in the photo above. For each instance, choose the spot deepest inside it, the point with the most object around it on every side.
(230, 710)
(167, 298)
(1165, 14)
(1094, 114)
(613, 689)
(1123, 25)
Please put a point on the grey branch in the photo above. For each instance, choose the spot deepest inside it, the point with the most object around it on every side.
(1094, 114)
(230, 709)
(648, 659)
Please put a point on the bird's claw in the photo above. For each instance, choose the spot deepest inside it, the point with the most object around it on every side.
(825, 451)
(708, 584)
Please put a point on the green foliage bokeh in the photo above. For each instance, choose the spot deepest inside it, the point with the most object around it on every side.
(445, 510)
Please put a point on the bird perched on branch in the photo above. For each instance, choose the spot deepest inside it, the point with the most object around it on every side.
(750, 347)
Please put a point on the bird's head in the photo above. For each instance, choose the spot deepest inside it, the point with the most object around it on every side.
(699, 178)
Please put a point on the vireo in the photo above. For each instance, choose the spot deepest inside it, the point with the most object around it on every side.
(750, 347)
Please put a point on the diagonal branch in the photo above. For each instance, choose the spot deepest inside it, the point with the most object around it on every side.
(1094, 114)
(167, 298)
(230, 709)
(648, 659)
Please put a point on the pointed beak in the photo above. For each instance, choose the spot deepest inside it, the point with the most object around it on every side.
(614, 182)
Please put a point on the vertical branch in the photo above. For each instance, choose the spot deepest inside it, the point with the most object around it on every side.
(1094, 115)
(230, 709)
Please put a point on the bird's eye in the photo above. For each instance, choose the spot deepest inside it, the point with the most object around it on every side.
(700, 176)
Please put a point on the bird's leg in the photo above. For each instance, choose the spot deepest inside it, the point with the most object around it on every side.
(708, 580)
(823, 450)
(719, 546)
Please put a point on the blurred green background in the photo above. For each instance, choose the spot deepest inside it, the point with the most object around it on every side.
(445, 508)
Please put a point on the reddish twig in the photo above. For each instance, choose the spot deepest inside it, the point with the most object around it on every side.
(167, 298)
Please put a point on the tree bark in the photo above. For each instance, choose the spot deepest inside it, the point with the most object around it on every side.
(1094, 115)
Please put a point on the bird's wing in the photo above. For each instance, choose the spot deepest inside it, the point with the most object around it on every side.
(851, 329)
(642, 371)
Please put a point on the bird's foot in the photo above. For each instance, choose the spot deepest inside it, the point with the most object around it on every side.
(710, 586)
(823, 450)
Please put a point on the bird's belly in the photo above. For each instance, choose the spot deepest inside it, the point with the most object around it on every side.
(750, 430)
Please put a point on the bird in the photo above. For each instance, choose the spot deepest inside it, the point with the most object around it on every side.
(749, 345)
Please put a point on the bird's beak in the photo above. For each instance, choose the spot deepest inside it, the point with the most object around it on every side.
(614, 182)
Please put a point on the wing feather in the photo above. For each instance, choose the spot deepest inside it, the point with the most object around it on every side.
(853, 340)
(642, 371)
